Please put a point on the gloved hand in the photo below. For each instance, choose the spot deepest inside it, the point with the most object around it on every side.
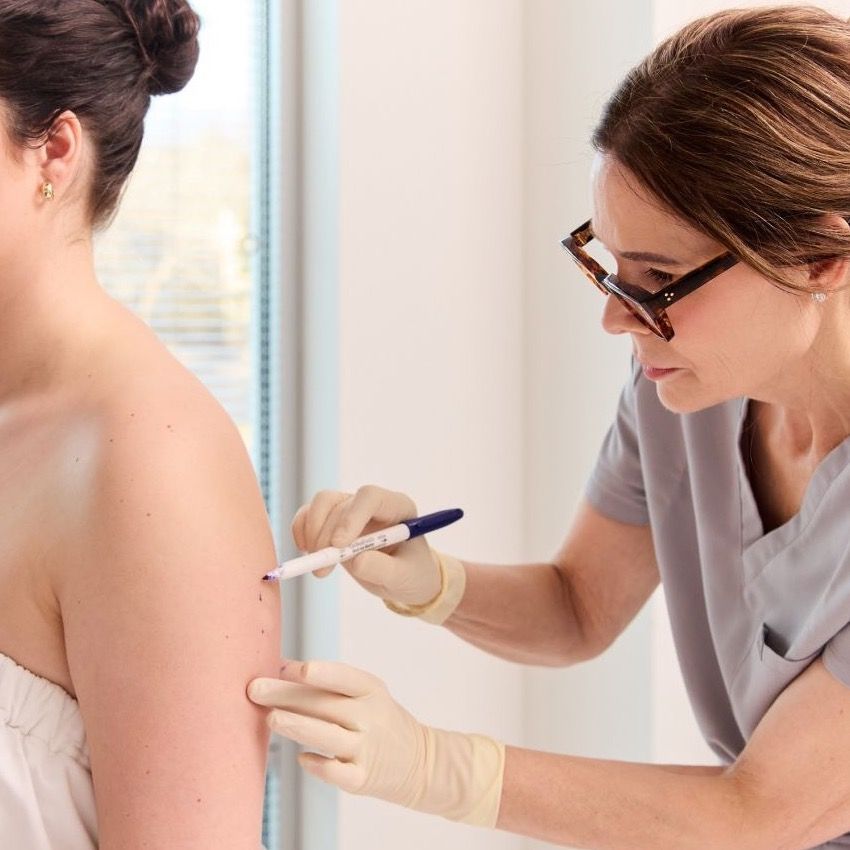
(370, 745)
(410, 577)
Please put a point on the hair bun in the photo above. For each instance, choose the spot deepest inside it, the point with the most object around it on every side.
(168, 38)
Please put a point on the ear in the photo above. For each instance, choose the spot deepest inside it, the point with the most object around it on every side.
(60, 157)
(829, 275)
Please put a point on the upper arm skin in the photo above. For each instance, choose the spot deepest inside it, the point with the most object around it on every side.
(609, 571)
(792, 777)
(165, 625)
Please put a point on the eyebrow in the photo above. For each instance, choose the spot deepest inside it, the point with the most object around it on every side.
(650, 258)
(642, 256)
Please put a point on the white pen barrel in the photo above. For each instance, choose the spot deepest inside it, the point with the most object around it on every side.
(378, 540)
(309, 563)
(331, 555)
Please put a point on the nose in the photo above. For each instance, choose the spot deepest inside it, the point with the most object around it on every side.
(616, 319)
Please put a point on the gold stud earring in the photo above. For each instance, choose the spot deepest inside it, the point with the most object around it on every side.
(47, 191)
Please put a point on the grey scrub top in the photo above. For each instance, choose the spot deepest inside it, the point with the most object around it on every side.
(749, 611)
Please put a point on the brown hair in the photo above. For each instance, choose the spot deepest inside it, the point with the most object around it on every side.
(102, 60)
(740, 124)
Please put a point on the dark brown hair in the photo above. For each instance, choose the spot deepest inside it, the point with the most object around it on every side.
(102, 60)
(740, 124)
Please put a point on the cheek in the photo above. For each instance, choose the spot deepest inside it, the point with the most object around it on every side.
(753, 319)
(712, 325)
(734, 337)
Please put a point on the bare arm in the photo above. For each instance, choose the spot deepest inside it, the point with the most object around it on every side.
(566, 611)
(165, 622)
(774, 797)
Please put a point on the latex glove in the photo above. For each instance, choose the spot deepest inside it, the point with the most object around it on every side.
(366, 743)
(407, 575)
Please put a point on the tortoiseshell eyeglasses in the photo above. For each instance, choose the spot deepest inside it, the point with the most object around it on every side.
(646, 303)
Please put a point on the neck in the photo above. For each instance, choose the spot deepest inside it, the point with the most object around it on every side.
(51, 309)
(807, 405)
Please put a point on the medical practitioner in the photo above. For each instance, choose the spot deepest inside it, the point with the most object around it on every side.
(721, 187)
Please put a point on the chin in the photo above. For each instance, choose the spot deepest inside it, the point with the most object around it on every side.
(687, 399)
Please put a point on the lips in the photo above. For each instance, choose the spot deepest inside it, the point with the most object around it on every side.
(646, 365)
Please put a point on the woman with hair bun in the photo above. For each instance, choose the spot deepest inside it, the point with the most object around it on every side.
(132, 529)
(721, 186)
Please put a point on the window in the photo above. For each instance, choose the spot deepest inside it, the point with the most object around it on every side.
(183, 253)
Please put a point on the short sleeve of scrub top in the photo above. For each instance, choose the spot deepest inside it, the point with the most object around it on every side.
(749, 611)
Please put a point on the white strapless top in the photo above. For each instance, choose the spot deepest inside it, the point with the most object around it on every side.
(46, 792)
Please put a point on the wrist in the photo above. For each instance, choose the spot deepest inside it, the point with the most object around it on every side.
(443, 605)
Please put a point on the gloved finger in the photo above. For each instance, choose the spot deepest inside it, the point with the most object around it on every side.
(372, 569)
(297, 527)
(349, 776)
(301, 699)
(331, 676)
(323, 503)
(326, 532)
(373, 506)
(315, 734)
(325, 571)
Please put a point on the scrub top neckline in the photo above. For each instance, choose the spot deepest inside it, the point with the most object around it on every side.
(757, 547)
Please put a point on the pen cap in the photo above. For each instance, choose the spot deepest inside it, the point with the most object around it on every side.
(431, 522)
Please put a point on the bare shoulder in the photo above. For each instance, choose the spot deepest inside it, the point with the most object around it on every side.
(167, 421)
(150, 440)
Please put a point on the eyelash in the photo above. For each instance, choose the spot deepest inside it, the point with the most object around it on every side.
(661, 277)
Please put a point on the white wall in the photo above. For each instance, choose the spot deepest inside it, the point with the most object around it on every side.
(430, 345)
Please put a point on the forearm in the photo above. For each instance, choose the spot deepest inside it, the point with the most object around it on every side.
(520, 613)
(611, 805)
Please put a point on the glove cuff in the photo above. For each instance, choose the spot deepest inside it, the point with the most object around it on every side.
(443, 605)
(465, 776)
